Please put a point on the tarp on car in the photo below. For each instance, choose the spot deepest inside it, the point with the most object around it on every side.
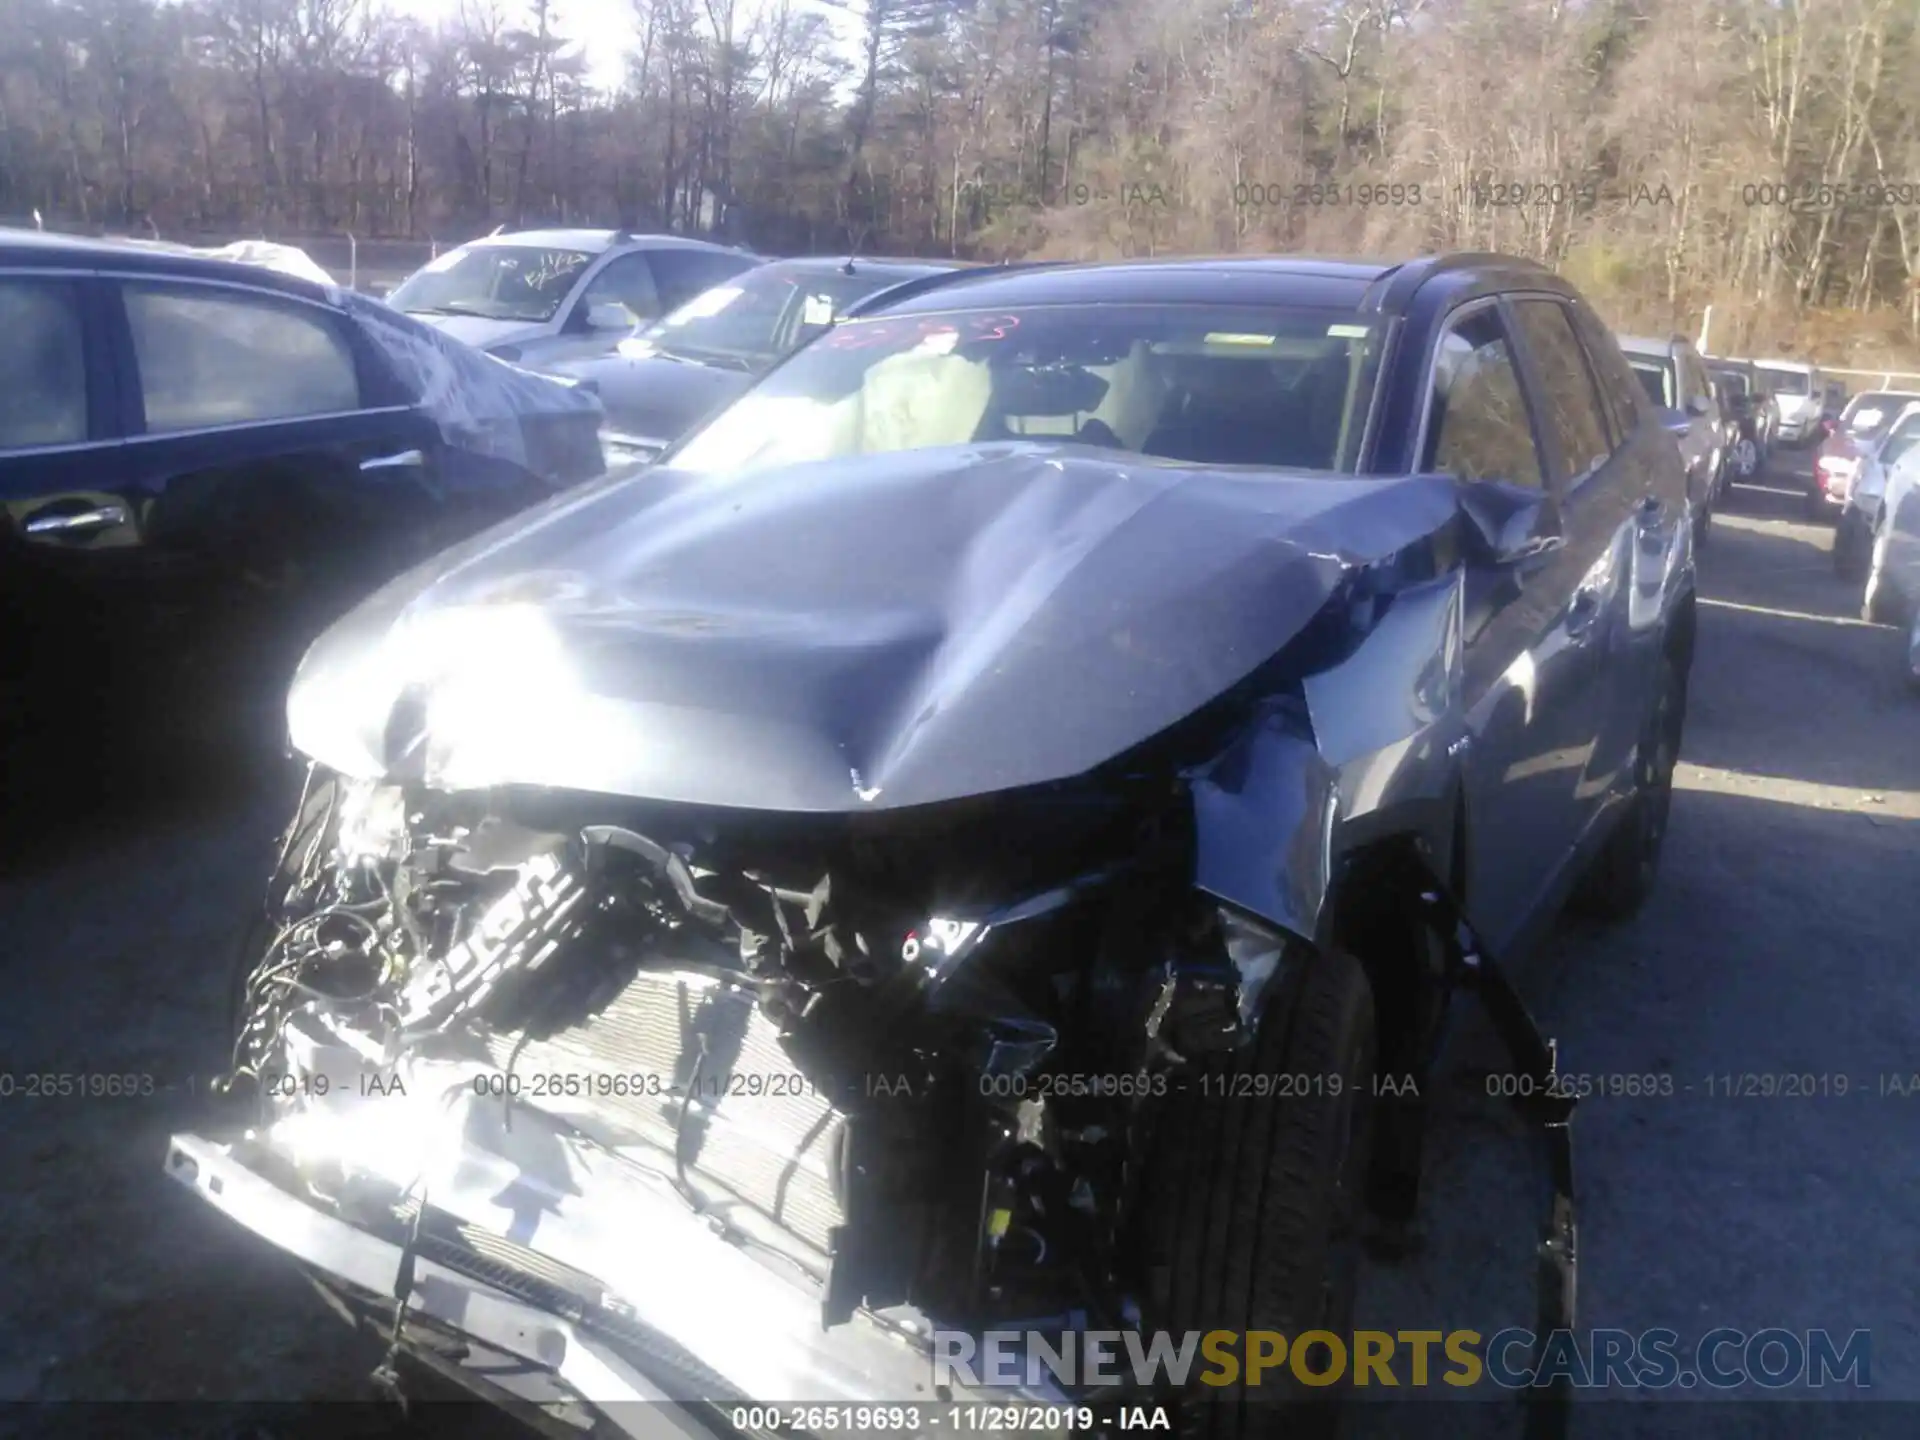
(268, 254)
(287, 259)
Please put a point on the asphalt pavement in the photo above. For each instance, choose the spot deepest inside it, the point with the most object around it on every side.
(1780, 942)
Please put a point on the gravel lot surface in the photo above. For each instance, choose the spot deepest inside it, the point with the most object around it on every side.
(1781, 941)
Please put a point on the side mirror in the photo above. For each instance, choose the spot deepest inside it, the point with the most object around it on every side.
(1511, 523)
(609, 315)
(1675, 422)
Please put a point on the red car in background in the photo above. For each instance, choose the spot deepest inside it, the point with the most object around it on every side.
(1861, 425)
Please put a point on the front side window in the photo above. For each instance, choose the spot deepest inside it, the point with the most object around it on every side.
(1732, 382)
(208, 356)
(1569, 404)
(626, 282)
(1478, 427)
(495, 282)
(43, 368)
(1226, 385)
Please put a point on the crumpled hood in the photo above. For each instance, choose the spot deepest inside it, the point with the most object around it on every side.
(653, 397)
(478, 331)
(867, 633)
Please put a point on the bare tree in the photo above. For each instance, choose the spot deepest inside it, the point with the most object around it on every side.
(1761, 156)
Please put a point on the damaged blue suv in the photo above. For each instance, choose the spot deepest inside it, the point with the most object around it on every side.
(984, 836)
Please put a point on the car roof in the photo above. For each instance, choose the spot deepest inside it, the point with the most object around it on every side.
(41, 249)
(885, 267)
(1804, 366)
(1203, 280)
(1651, 345)
(595, 241)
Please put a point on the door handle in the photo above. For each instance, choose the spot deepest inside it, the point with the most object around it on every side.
(405, 459)
(1584, 610)
(80, 522)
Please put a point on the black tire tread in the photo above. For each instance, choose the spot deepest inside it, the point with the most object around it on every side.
(1240, 1190)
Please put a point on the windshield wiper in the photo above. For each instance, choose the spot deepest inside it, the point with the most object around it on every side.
(717, 359)
(450, 310)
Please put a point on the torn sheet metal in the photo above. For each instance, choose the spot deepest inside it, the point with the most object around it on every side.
(866, 633)
(482, 405)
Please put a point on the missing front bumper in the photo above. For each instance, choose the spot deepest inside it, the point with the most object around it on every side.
(727, 1326)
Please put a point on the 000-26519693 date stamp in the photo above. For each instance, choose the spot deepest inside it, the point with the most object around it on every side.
(1309, 195)
(79, 1085)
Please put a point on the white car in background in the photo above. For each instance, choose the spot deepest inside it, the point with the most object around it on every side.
(1799, 397)
(535, 297)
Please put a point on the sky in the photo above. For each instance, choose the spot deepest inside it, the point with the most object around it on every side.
(605, 28)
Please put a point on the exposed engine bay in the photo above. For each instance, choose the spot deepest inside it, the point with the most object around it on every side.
(920, 1059)
(699, 974)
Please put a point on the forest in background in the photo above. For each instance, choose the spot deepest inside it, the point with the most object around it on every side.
(1758, 156)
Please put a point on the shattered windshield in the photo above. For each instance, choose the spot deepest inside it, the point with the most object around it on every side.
(494, 282)
(1226, 385)
(753, 320)
(1733, 382)
(1787, 382)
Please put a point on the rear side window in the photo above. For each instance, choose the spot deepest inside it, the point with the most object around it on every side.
(1478, 427)
(43, 367)
(1656, 380)
(1620, 392)
(210, 357)
(1569, 403)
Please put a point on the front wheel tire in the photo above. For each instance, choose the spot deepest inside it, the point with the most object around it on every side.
(1252, 1204)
